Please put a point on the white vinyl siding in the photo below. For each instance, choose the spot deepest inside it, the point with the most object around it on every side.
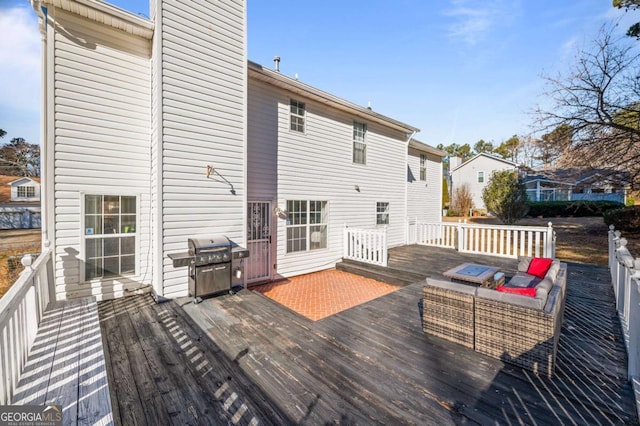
(203, 91)
(100, 137)
(317, 165)
(424, 198)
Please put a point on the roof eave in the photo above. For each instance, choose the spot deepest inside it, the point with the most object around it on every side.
(104, 13)
(274, 78)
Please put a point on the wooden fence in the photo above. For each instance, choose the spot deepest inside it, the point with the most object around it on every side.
(21, 309)
(494, 240)
(366, 245)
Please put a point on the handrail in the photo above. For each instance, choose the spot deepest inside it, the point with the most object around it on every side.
(21, 309)
(366, 245)
(625, 278)
(494, 240)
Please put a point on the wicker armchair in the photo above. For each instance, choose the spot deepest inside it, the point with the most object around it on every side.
(447, 311)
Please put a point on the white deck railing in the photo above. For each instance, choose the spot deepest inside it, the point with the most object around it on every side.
(21, 309)
(494, 240)
(366, 245)
(625, 277)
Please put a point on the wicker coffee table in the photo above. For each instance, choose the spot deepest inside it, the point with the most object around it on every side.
(472, 273)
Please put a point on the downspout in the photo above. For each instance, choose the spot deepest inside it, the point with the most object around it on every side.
(406, 188)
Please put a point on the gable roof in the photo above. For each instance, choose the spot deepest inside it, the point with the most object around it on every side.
(5, 186)
(575, 176)
(484, 154)
(421, 146)
(258, 72)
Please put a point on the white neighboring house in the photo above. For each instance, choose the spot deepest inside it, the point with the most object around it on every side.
(476, 173)
(157, 130)
(19, 202)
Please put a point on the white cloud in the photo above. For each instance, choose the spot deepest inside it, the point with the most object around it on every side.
(473, 20)
(20, 81)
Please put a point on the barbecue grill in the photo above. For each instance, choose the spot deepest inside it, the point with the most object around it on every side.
(209, 260)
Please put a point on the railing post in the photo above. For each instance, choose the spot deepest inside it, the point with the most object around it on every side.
(633, 347)
(384, 247)
(345, 241)
(459, 240)
(550, 249)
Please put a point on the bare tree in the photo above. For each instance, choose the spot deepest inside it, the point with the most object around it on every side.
(462, 200)
(599, 99)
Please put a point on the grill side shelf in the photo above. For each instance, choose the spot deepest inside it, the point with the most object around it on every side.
(181, 259)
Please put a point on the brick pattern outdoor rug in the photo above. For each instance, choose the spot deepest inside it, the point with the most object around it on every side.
(321, 294)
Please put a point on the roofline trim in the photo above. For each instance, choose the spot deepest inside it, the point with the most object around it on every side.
(261, 73)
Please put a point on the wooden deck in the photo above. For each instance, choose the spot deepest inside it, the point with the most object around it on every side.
(244, 359)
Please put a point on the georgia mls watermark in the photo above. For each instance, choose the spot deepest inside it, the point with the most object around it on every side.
(30, 415)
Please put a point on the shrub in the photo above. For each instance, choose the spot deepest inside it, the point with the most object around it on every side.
(462, 200)
(445, 193)
(571, 208)
(624, 219)
(506, 196)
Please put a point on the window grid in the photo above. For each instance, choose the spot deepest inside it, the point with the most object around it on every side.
(480, 177)
(359, 143)
(110, 236)
(382, 213)
(306, 225)
(26, 192)
(423, 167)
(297, 115)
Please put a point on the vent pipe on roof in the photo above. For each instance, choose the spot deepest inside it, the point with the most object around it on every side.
(276, 63)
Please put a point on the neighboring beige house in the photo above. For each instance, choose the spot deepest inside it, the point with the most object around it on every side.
(476, 172)
(19, 202)
(157, 130)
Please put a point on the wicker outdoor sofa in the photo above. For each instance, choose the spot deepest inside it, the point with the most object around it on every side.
(517, 329)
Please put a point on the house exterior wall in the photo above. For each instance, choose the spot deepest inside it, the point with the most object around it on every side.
(424, 198)
(468, 173)
(201, 101)
(317, 165)
(26, 183)
(100, 139)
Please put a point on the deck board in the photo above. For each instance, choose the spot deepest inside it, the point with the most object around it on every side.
(372, 364)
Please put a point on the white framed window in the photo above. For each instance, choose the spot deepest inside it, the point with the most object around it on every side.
(297, 115)
(359, 143)
(26, 191)
(306, 225)
(109, 236)
(423, 167)
(382, 213)
(480, 177)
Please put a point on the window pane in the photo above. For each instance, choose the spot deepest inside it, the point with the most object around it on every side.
(111, 246)
(128, 245)
(127, 265)
(111, 204)
(318, 237)
(111, 266)
(93, 268)
(111, 224)
(93, 204)
(297, 212)
(296, 239)
(128, 205)
(94, 248)
(128, 223)
(92, 225)
(382, 213)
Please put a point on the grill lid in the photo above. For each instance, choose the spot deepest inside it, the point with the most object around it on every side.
(208, 244)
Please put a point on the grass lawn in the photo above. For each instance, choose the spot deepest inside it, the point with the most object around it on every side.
(15, 242)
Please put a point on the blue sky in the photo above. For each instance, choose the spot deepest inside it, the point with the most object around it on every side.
(460, 70)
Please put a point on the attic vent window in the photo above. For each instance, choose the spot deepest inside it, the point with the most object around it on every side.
(297, 116)
(359, 143)
(423, 167)
(26, 191)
